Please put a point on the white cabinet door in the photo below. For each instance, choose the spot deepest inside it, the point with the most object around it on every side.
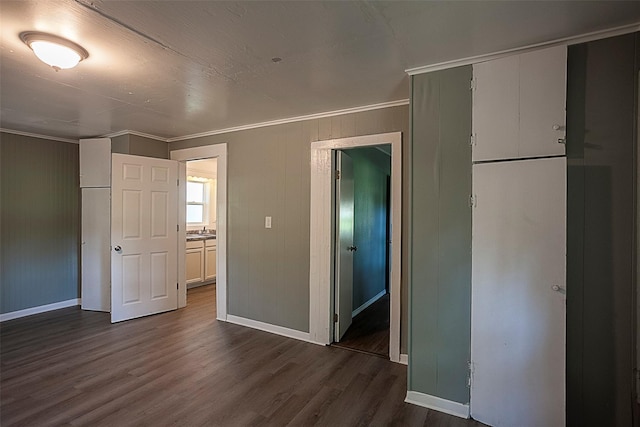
(195, 264)
(543, 99)
(95, 252)
(144, 236)
(519, 105)
(518, 293)
(95, 162)
(210, 263)
(495, 108)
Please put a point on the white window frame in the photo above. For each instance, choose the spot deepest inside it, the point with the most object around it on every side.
(206, 191)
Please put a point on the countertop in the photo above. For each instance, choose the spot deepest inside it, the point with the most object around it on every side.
(194, 237)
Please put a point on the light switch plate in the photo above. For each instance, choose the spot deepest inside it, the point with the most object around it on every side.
(267, 222)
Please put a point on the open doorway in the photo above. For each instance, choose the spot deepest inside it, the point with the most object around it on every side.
(362, 249)
(322, 236)
(201, 212)
(202, 219)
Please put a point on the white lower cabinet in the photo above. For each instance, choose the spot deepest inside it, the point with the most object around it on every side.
(195, 262)
(210, 259)
(200, 261)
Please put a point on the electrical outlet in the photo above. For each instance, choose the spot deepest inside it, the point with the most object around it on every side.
(267, 222)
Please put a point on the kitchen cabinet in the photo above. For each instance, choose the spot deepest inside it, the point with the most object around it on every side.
(200, 262)
(519, 106)
(194, 260)
(210, 259)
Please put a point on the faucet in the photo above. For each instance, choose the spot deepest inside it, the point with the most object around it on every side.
(204, 230)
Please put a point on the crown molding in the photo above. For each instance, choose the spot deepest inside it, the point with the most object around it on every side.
(295, 119)
(36, 135)
(136, 133)
(582, 38)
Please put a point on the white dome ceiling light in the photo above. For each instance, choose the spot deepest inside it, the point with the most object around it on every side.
(54, 51)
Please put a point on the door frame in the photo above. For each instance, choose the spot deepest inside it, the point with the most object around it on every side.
(218, 151)
(321, 265)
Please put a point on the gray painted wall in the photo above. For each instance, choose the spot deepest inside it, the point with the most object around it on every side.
(370, 170)
(602, 116)
(269, 174)
(39, 222)
(139, 146)
(440, 284)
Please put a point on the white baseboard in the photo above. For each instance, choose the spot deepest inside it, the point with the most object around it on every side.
(438, 404)
(404, 359)
(39, 309)
(368, 303)
(274, 329)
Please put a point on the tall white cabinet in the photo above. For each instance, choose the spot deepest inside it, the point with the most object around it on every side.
(519, 240)
(95, 185)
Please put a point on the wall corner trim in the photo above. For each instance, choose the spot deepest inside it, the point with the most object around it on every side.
(438, 404)
(274, 329)
(39, 309)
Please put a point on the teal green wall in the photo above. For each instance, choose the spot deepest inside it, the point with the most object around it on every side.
(371, 168)
(440, 264)
(39, 222)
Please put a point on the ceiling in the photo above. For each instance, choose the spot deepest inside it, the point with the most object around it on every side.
(177, 68)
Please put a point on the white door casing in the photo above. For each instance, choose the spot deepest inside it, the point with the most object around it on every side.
(144, 218)
(518, 293)
(345, 245)
(321, 280)
(218, 151)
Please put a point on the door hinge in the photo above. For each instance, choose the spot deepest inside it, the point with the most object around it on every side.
(335, 317)
(473, 201)
(473, 84)
(177, 285)
(337, 174)
(178, 182)
(470, 375)
(177, 227)
(472, 140)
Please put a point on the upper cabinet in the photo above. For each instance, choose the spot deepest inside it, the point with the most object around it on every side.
(519, 105)
(95, 162)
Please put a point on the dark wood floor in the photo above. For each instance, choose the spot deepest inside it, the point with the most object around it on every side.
(72, 367)
(369, 331)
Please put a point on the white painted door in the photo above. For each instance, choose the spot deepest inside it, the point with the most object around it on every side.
(345, 246)
(518, 293)
(519, 105)
(144, 220)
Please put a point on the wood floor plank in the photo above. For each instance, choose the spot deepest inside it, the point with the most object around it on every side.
(73, 367)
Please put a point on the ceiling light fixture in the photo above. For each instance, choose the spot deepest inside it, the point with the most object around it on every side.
(55, 51)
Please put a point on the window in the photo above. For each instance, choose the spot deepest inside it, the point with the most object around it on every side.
(197, 202)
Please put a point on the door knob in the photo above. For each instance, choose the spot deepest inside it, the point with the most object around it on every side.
(117, 249)
(352, 248)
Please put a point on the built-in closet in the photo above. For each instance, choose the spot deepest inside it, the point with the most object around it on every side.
(523, 299)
